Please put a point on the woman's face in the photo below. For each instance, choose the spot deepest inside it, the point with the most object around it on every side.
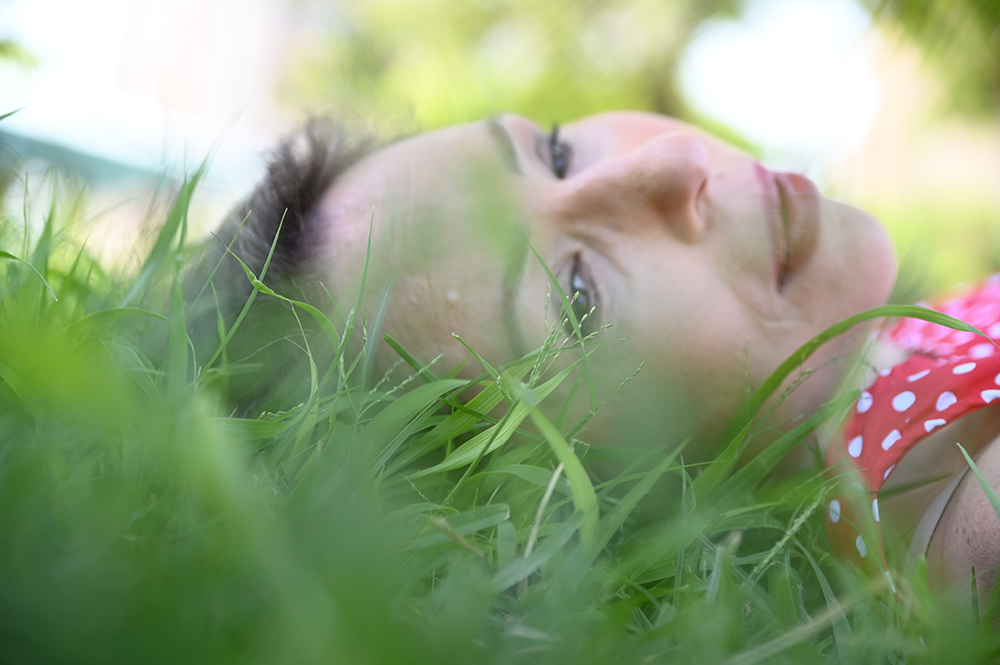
(708, 267)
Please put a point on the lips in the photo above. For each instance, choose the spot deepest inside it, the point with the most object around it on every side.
(800, 215)
(792, 214)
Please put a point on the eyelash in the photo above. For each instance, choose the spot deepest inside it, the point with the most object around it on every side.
(581, 297)
(559, 153)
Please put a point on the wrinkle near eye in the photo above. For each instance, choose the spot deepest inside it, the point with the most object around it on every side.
(513, 275)
(505, 145)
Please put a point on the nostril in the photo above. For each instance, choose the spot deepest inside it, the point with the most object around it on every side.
(681, 162)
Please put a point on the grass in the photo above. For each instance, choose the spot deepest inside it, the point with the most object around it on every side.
(441, 521)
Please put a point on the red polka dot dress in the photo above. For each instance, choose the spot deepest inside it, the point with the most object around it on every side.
(949, 375)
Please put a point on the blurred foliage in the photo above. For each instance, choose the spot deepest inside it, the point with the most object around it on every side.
(931, 263)
(963, 38)
(14, 52)
(461, 60)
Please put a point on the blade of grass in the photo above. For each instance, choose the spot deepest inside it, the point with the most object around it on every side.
(8, 255)
(102, 318)
(488, 441)
(584, 497)
(397, 421)
(464, 524)
(616, 517)
(574, 321)
(164, 240)
(750, 408)
(994, 499)
(521, 568)
(757, 468)
(415, 364)
(253, 294)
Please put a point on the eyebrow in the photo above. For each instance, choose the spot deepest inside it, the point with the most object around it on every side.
(504, 144)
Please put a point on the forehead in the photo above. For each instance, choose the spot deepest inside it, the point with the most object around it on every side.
(438, 211)
(444, 171)
(423, 202)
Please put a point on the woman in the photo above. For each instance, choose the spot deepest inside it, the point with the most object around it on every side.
(711, 268)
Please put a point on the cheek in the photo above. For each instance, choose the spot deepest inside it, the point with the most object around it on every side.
(699, 366)
(855, 265)
(427, 309)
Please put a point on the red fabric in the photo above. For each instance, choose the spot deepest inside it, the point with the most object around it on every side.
(949, 375)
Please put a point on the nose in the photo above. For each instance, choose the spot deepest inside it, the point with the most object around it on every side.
(659, 181)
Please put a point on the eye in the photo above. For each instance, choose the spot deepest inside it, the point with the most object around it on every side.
(582, 298)
(559, 153)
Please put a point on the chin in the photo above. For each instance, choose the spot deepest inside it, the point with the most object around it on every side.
(867, 255)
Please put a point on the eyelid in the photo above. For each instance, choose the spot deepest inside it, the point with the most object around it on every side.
(546, 144)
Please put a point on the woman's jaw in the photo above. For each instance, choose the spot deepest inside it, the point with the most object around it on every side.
(707, 267)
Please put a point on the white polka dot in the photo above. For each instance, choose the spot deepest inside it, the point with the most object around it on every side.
(903, 401)
(997, 380)
(990, 395)
(865, 401)
(875, 509)
(855, 446)
(964, 368)
(930, 425)
(946, 399)
(835, 511)
(919, 375)
(889, 441)
(888, 471)
(994, 330)
(884, 372)
(982, 350)
(859, 542)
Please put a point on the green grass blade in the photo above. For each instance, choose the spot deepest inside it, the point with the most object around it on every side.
(464, 418)
(842, 632)
(393, 424)
(994, 499)
(415, 364)
(750, 408)
(161, 250)
(486, 442)
(613, 521)
(521, 568)
(10, 113)
(102, 318)
(744, 480)
(8, 255)
(722, 466)
(254, 281)
(464, 524)
(584, 497)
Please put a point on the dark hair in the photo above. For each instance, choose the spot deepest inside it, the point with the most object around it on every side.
(300, 171)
